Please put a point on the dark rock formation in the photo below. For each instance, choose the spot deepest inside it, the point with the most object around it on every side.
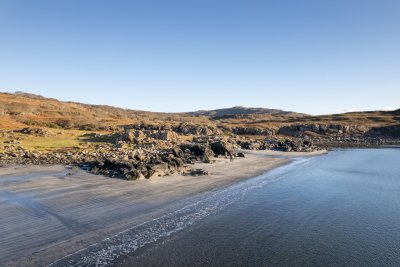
(298, 130)
(202, 152)
(288, 145)
(252, 144)
(253, 131)
(193, 129)
(222, 147)
(385, 131)
(198, 172)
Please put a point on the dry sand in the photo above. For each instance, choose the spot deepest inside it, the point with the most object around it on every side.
(46, 214)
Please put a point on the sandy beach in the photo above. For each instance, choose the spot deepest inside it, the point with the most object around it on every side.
(52, 211)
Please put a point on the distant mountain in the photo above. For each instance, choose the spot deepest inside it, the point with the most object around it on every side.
(239, 110)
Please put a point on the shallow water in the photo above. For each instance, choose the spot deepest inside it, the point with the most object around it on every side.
(340, 209)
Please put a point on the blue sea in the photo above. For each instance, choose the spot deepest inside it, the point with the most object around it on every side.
(339, 209)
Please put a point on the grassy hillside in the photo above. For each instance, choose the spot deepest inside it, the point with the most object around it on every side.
(21, 109)
(69, 125)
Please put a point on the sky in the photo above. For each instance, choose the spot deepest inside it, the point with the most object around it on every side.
(309, 56)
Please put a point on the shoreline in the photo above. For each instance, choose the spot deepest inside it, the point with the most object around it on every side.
(48, 214)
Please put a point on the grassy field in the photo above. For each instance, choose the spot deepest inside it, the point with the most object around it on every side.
(54, 140)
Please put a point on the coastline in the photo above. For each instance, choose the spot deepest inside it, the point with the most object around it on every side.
(47, 214)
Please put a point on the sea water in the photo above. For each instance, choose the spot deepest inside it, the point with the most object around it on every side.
(339, 209)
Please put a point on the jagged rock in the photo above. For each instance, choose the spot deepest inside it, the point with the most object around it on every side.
(252, 145)
(133, 136)
(192, 129)
(288, 145)
(164, 135)
(140, 136)
(202, 151)
(298, 130)
(222, 147)
(253, 131)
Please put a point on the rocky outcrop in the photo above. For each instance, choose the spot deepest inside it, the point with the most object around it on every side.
(196, 130)
(131, 136)
(114, 162)
(385, 131)
(222, 147)
(131, 170)
(138, 136)
(315, 130)
(182, 129)
(288, 145)
(298, 130)
(149, 151)
(355, 141)
(252, 144)
(253, 131)
(162, 135)
(201, 152)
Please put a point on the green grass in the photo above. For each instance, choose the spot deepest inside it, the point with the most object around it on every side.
(55, 140)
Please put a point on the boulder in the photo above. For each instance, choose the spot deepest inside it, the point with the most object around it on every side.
(198, 172)
(222, 147)
(202, 151)
(240, 155)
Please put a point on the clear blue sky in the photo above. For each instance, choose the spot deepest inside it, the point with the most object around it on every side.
(312, 56)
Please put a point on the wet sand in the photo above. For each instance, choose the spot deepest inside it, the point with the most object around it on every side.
(47, 214)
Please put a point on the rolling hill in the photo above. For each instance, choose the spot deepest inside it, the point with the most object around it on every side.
(239, 110)
(20, 109)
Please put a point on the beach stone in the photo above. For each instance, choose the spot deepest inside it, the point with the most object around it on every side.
(198, 172)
